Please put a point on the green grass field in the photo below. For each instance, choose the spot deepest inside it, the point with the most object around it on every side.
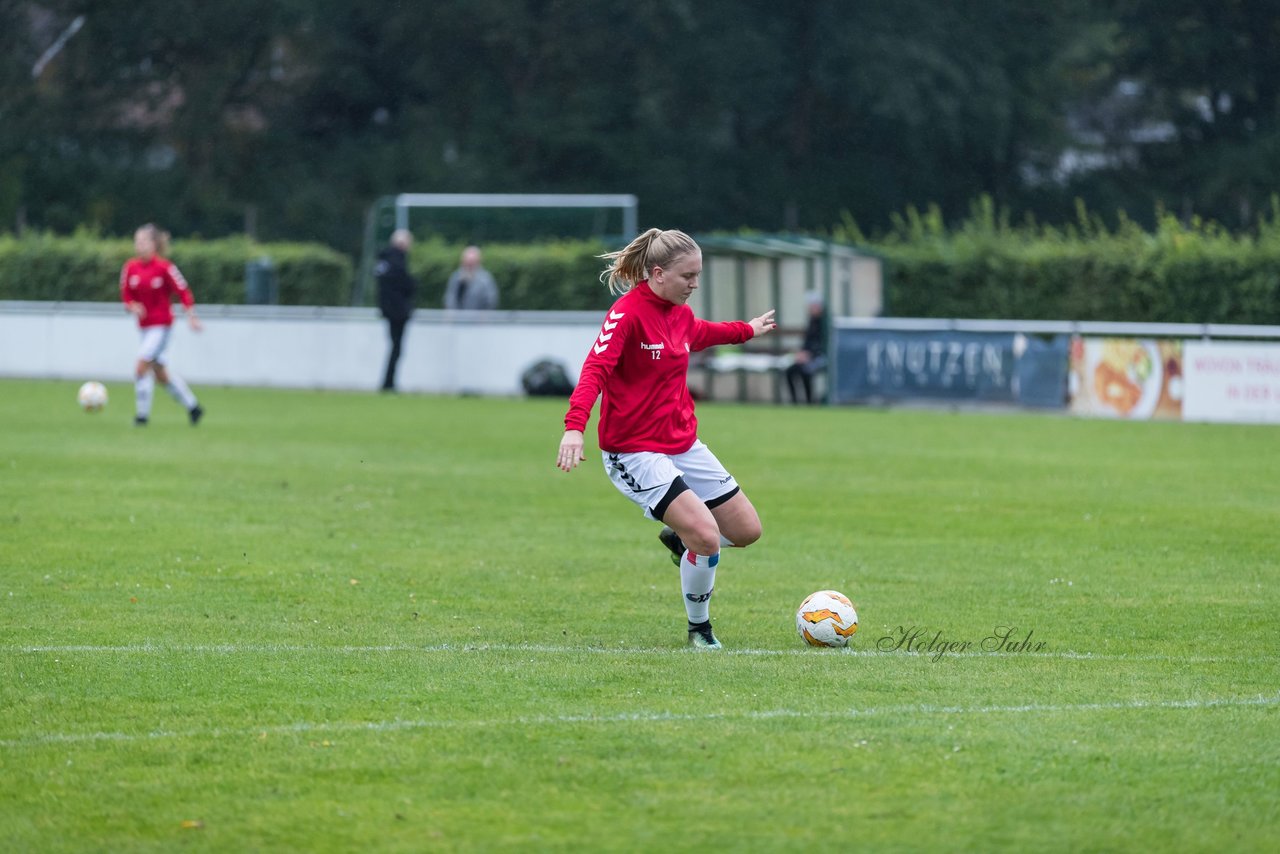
(334, 622)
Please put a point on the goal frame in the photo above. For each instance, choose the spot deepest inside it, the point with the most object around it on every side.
(402, 203)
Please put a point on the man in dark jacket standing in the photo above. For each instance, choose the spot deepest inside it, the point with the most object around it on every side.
(397, 292)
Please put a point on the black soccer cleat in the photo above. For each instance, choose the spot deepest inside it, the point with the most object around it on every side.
(139, 421)
(672, 541)
(196, 413)
(701, 636)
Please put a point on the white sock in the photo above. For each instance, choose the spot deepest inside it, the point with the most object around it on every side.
(143, 387)
(181, 391)
(697, 581)
(725, 541)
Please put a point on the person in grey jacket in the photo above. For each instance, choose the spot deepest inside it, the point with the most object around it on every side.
(471, 286)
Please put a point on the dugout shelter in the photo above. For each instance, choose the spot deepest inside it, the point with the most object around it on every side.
(745, 275)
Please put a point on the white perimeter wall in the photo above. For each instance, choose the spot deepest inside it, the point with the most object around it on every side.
(297, 347)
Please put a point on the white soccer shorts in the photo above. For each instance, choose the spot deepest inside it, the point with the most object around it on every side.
(645, 477)
(154, 340)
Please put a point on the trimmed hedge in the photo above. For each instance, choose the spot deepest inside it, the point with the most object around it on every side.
(1181, 273)
(85, 268)
(984, 268)
(549, 276)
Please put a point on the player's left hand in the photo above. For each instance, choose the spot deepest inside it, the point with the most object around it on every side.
(195, 323)
(764, 323)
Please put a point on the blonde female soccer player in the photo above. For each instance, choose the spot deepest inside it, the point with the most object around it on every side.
(148, 284)
(648, 434)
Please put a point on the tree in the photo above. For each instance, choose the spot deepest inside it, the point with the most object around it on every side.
(1210, 73)
(290, 117)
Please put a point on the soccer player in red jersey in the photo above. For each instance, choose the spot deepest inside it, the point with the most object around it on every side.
(648, 434)
(148, 284)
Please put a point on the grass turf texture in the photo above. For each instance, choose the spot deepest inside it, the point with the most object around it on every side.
(336, 621)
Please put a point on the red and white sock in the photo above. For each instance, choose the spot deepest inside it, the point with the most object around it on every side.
(697, 582)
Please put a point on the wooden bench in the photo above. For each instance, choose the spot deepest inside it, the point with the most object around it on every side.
(753, 371)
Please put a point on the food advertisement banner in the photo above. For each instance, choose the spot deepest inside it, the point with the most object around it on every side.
(1135, 378)
(1232, 382)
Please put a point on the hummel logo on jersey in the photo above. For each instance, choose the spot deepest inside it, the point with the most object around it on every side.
(602, 343)
(655, 350)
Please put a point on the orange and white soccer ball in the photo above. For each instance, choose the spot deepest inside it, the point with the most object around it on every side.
(826, 618)
(92, 396)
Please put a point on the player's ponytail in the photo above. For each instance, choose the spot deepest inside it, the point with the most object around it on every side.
(634, 262)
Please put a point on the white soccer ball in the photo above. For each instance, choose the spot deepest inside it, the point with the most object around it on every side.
(826, 618)
(92, 396)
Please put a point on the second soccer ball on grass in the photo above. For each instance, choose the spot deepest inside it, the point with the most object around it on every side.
(92, 396)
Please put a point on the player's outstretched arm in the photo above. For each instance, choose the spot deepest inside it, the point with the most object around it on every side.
(570, 450)
(764, 323)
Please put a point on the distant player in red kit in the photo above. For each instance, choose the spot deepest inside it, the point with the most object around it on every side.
(648, 434)
(148, 284)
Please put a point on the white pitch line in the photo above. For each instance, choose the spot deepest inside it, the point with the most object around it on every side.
(400, 725)
(260, 649)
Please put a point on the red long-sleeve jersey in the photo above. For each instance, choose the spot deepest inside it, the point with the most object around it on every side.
(154, 282)
(639, 364)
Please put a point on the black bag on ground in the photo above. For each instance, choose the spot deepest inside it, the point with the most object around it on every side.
(546, 378)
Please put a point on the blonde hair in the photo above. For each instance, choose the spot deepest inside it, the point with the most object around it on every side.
(159, 237)
(634, 262)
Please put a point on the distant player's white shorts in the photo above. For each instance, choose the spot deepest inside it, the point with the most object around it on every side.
(646, 477)
(154, 340)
